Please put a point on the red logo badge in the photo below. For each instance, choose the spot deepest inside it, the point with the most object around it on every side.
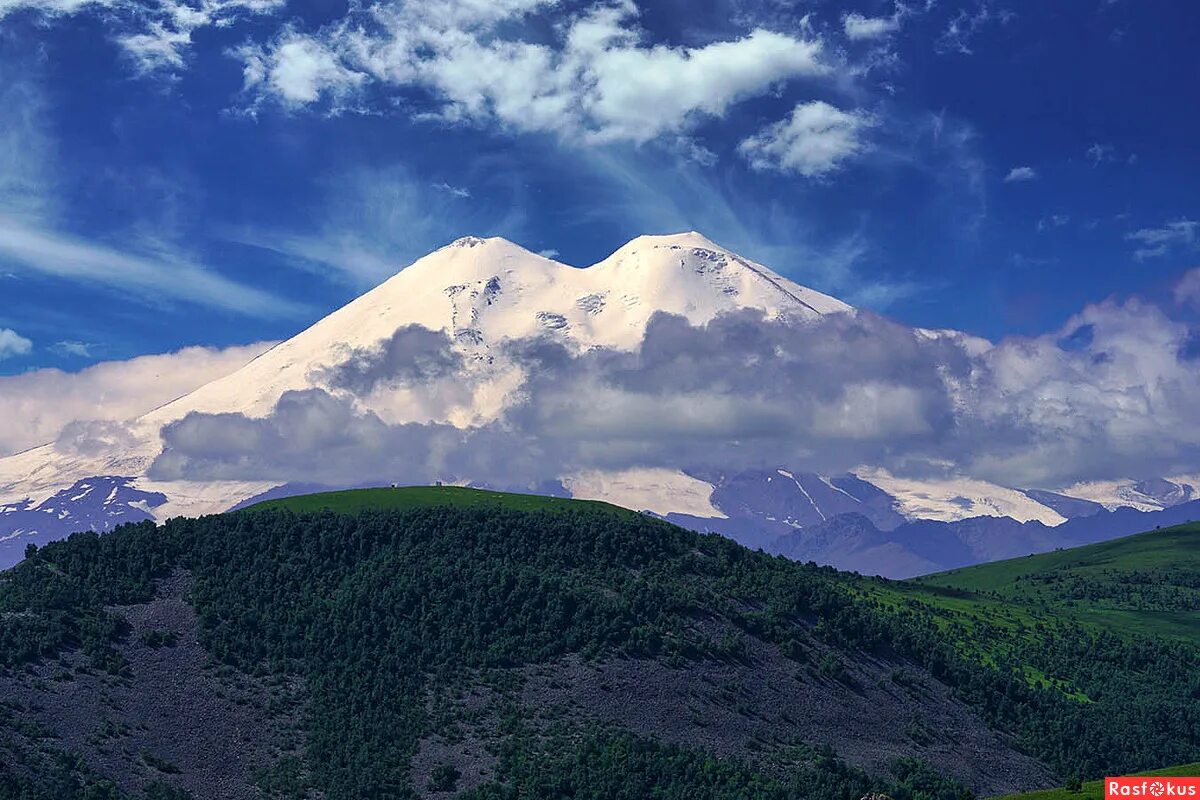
(1151, 787)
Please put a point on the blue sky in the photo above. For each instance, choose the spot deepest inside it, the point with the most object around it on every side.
(229, 171)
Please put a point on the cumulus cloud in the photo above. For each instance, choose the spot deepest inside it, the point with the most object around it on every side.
(1020, 174)
(735, 392)
(298, 70)
(317, 437)
(1122, 399)
(814, 141)
(598, 80)
(1114, 393)
(35, 407)
(1181, 233)
(13, 344)
(412, 355)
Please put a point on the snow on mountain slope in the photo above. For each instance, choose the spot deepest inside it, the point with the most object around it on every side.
(660, 491)
(1146, 495)
(479, 291)
(959, 498)
(483, 291)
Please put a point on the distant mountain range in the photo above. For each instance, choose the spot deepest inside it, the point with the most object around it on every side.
(480, 295)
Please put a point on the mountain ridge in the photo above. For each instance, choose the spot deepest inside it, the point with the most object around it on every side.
(457, 308)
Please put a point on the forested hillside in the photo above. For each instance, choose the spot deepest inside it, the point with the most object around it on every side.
(565, 652)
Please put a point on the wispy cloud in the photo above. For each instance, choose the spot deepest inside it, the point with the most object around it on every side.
(1187, 290)
(367, 225)
(858, 27)
(33, 239)
(453, 191)
(155, 278)
(1181, 233)
(642, 196)
(1021, 174)
(1101, 153)
(68, 349)
(1052, 221)
(963, 27)
(155, 35)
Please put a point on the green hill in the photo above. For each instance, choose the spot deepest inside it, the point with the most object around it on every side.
(409, 497)
(446, 642)
(1147, 583)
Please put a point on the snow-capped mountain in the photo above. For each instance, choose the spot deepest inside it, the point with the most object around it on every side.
(483, 293)
(479, 291)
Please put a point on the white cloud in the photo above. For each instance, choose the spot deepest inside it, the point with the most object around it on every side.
(13, 344)
(157, 34)
(36, 406)
(741, 392)
(154, 278)
(1188, 289)
(1020, 174)
(454, 191)
(31, 239)
(1100, 153)
(1181, 233)
(68, 348)
(964, 26)
(597, 82)
(25, 149)
(812, 142)
(298, 70)
(858, 27)
(50, 8)
(1052, 221)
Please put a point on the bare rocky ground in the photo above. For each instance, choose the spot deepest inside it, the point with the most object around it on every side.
(173, 717)
(751, 707)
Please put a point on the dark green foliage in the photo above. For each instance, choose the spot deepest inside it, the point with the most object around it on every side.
(444, 778)
(57, 598)
(373, 609)
(55, 775)
(620, 766)
(159, 790)
(287, 778)
(157, 639)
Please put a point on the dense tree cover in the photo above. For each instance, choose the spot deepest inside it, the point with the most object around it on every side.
(370, 609)
(619, 766)
(58, 775)
(1162, 589)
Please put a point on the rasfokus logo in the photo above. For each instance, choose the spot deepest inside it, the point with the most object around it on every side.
(1152, 787)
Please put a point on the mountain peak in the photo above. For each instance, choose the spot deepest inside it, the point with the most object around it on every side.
(693, 239)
